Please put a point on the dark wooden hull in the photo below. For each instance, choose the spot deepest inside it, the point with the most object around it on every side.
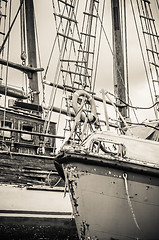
(22, 160)
(112, 200)
(30, 187)
(27, 170)
(31, 207)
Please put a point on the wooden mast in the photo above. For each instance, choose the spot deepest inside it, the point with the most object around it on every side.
(31, 48)
(118, 67)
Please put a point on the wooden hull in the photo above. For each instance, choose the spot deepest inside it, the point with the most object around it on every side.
(32, 194)
(111, 199)
(26, 170)
(31, 186)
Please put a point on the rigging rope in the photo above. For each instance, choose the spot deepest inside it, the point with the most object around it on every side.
(57, 74)
(151, 30)
(39, 58)
(99, 44)
(6, 79)
(4, 28)
(145, 125)
(111, 50)
(80, 47)
(133, 11)
(65, 50)
(11, 26)
(157, 4)
(62, 52)
(94, 47)
(141, 108)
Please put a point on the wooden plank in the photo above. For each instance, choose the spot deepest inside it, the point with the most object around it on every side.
(31, 46)
(32, 133)
(20, 67)
(118, 60)
(27, 170)
(12, 92)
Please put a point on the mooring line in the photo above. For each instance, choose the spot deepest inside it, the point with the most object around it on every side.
(129, 201)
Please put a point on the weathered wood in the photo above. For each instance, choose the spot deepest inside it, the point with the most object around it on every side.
(118, 64)
(25, 106)
(31, 46)
(12, 92)
(24, 170)
(32, 133)
(20, 67)
(20, 161)
(73, 89)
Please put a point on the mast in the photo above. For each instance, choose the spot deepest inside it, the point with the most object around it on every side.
(118, 61)
(31, 48)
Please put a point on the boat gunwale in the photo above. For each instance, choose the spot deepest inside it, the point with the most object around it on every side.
(66, 157)
(105, 134)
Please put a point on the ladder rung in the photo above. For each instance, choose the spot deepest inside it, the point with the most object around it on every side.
(70, 72)
(3, 15)
(73, 89)
(89, 35)
(76, 61)
(68, 119)
(70, 38)
(67, 18)
(152, 51)
(66, 129)
(155, 80)
(146, 1)
(79, 83)
(2, 33)
(4, 0)
(89, 14)
(85, 51)
(152, 19)
(67, 4)
(154, 64)
(154, 35)
(83, 67)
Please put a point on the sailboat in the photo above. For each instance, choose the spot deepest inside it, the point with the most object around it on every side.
(31, 190)
(107, 158)
(112, 175)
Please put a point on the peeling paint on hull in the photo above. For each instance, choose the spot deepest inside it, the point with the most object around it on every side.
(101, 207)
(114, 194)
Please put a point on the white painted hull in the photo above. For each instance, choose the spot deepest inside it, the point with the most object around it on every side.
(20, 202)
(31, 214)
(114, 195)
(101, 206)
